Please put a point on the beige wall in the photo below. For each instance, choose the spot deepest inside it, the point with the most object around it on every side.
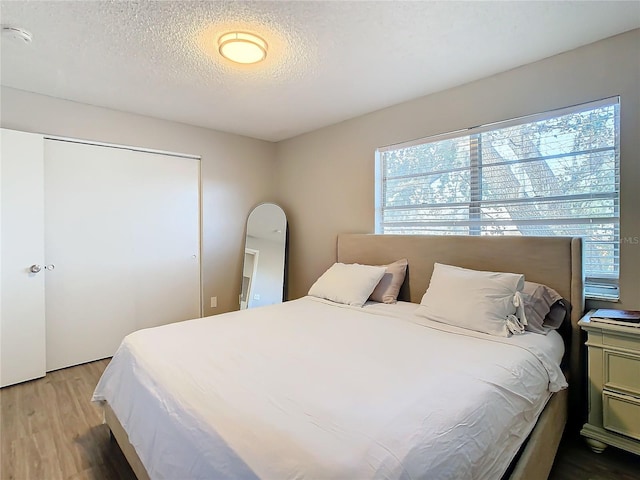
(326, 177)
(324, 180)
(237, 172)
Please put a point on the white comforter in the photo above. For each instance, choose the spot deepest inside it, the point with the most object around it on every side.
(309, 389)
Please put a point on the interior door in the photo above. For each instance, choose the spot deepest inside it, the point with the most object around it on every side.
(22, 314)
(122, 246)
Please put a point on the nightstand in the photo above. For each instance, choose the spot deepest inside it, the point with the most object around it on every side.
(613, 386)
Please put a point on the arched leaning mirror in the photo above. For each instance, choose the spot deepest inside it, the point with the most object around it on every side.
(265, 254)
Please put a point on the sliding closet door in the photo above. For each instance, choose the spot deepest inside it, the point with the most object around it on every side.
(122, 234)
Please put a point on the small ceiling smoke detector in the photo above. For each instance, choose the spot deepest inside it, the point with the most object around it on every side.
(16, 34)
(242, 47)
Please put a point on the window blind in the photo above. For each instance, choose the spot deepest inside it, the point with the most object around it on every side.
(550, 174)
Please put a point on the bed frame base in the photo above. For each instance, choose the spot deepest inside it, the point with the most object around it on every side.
(538, 455)
(122, 439)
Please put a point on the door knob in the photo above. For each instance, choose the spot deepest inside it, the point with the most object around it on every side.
(35, 268)
(50, 267)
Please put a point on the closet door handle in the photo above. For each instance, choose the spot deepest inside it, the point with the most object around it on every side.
(50, 267)
(35, 268)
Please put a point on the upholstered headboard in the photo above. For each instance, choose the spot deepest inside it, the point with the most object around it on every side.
(553, 261)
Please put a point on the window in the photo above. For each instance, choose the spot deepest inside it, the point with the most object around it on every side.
(556, 173)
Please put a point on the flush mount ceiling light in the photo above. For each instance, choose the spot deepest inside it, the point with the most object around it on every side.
(242, 47)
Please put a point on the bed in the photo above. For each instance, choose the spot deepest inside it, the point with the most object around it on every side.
(360, 392)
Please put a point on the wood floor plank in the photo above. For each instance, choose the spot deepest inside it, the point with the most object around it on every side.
(576, 461)
(50, 430)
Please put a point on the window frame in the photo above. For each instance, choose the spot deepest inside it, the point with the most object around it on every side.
(601, 287)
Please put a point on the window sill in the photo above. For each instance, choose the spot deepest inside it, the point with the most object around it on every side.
(602, 298)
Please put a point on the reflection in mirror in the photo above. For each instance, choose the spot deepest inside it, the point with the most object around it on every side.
(263, 273)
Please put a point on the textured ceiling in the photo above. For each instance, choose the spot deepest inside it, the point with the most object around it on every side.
(328, 61)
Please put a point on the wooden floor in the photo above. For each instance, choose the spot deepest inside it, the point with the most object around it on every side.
(50, 430)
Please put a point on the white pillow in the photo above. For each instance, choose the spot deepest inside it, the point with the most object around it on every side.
(481, 301)
(348, 283)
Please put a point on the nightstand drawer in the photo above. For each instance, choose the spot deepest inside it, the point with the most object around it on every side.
(622, 372)
(622, 341)
(621, 414)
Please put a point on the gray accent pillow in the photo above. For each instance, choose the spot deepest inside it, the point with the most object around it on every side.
(544, 308)
(388, 288)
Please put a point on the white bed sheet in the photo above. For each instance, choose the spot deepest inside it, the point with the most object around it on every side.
(308, 389)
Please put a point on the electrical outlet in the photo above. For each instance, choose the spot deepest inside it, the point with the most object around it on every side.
(214, 302)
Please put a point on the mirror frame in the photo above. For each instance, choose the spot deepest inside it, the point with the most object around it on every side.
(246, 287)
